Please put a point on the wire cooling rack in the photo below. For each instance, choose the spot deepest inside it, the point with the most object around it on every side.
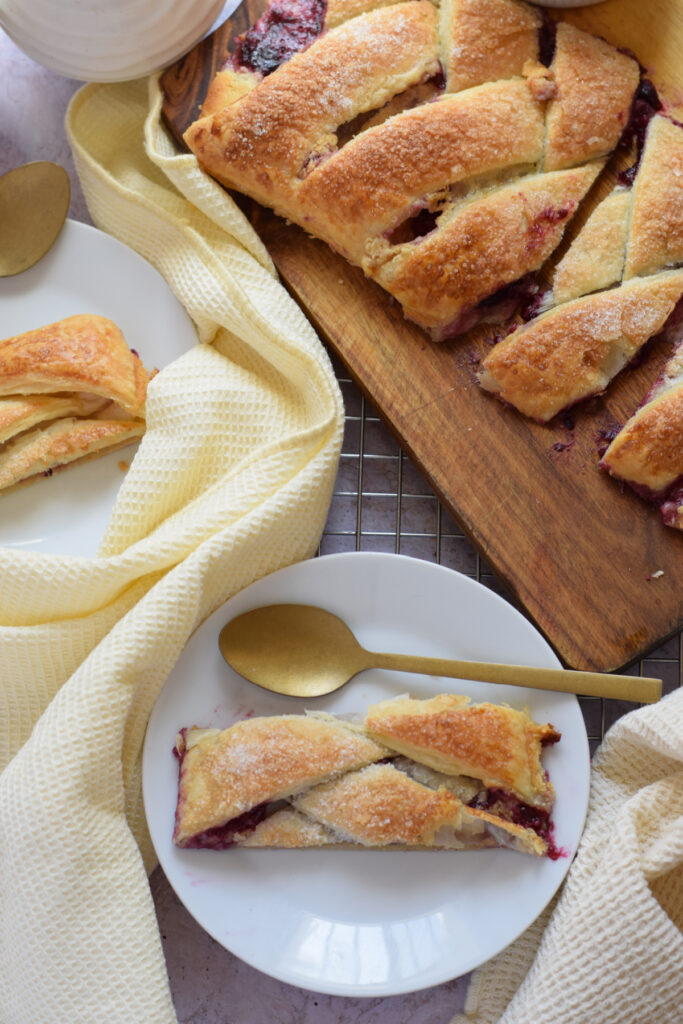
(382, 503)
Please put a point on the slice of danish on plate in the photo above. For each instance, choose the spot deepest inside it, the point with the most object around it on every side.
(415, 774)
(69, 390)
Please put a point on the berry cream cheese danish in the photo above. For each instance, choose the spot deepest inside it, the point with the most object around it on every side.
(441, 148)
(432, 774)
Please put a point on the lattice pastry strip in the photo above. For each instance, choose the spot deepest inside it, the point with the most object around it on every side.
(296, 781)
(632, 241)
(425, 191)
(391, 171)
(647, 453)
(265, 142)
(485, 40)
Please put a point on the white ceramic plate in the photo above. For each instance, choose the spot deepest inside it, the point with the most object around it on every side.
(366, 923)
(86, 271)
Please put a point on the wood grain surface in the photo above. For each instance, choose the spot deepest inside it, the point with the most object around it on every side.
(577, 554)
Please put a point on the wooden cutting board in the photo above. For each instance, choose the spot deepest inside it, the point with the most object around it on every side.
(578, 555)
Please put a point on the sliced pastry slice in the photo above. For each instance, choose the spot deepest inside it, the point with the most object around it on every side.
(595, 84)
(486, 40)
(448, 280)
(45, 449)
(573, 351)
(83, 353)
(595, 260)
(647, 453)
(317, 781)
(382, 806)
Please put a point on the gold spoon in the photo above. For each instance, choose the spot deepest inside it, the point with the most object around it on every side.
(34, 202)
(303, 651)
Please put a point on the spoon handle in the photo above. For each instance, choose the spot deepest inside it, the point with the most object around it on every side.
(589, 684)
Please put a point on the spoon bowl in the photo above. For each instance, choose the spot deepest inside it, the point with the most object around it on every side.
(303, 651)
(34, 202)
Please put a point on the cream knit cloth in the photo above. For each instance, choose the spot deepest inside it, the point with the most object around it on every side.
(232, 481)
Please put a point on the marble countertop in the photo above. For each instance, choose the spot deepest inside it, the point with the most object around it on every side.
(209, 984)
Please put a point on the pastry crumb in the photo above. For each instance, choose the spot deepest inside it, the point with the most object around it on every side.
(123, 465)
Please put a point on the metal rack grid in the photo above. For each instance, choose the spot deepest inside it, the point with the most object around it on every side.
(382, 503)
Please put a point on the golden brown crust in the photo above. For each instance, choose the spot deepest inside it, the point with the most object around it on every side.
(656, 231)
(380, 806)
(63, 442)
(648, 450)
(485, 40)
(23, 412)
(81, 353)
(349, 139)
(595, 88)
(479, 247)
(258, 760)
(339, 11)
(595, 259)
(262, 144)
(287, 830)
(497, 744)
(227, 87)
(573, 351)
(373, 183)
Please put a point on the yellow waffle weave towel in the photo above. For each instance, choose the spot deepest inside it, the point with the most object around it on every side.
(232, 481)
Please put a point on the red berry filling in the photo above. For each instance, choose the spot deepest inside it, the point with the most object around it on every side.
(287, 27)
(507, 806)
(223, 836)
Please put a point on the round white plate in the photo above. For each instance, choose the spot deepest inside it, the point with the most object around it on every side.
(367, 922)
(86, 271)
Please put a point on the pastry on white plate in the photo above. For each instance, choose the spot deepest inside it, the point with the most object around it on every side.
(69, 390)
(431, 774)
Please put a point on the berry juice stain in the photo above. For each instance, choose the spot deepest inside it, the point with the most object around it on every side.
(287, 27)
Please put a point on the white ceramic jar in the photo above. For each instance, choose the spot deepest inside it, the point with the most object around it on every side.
(107, 40)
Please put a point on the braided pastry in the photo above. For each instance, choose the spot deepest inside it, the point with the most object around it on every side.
(430, 146)
(417, 774)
